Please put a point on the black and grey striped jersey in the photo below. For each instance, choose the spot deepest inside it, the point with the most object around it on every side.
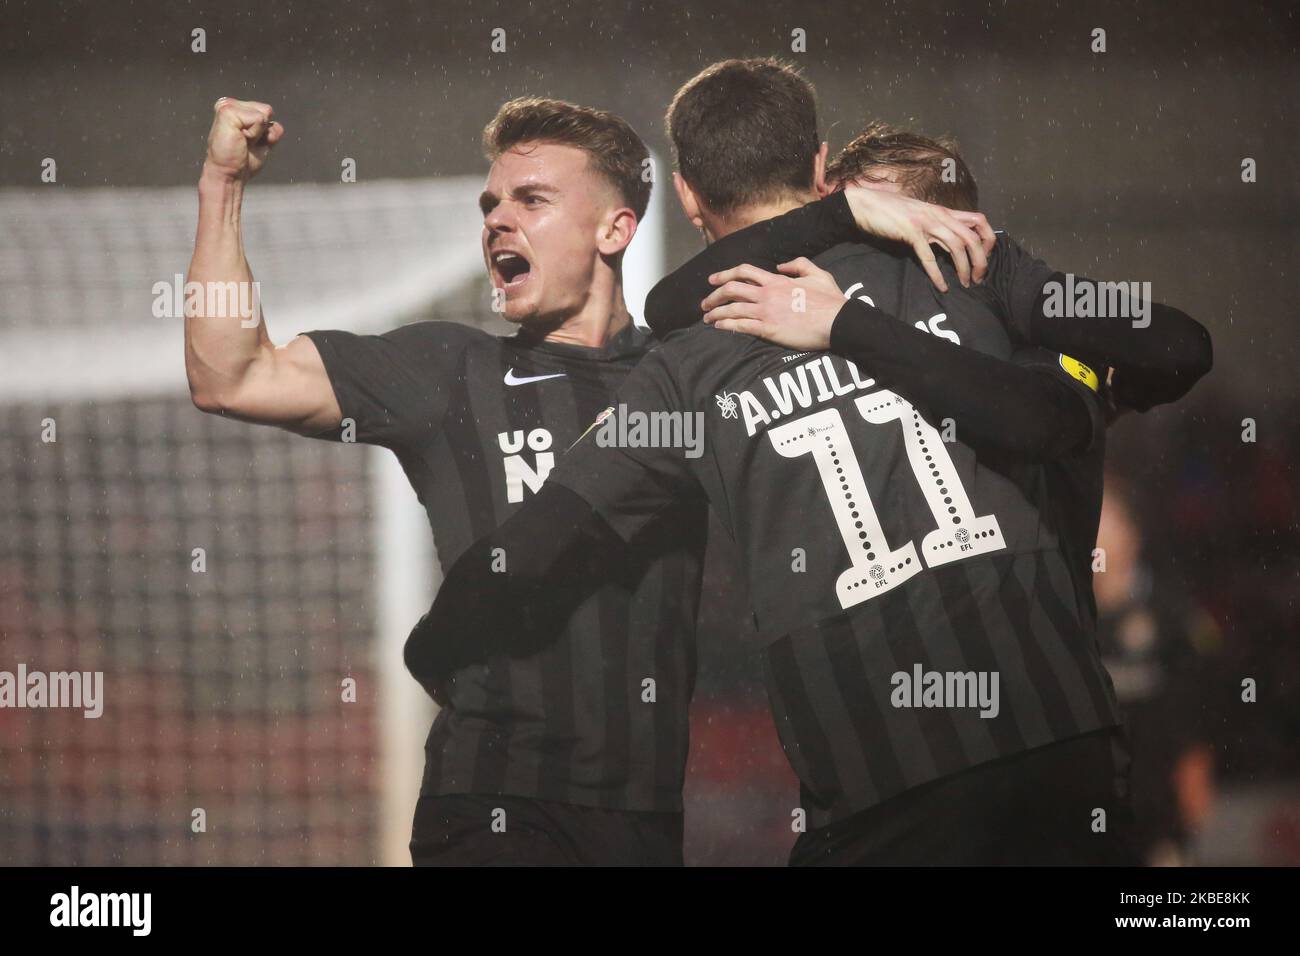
(599, 716)
(880, 555)
(1075, 481)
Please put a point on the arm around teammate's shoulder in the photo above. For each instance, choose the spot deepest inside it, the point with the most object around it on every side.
(1018, 407)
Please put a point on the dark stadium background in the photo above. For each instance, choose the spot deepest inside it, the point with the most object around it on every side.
(1121, 165)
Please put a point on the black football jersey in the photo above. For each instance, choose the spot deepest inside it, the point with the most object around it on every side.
(477, 422)
(882, 554)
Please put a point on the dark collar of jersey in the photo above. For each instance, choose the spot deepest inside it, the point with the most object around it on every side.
(629, 342)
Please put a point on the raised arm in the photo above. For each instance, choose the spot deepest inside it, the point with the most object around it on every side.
(233, 367)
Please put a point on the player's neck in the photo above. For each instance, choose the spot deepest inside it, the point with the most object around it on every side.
(602, 317)
(717, 227)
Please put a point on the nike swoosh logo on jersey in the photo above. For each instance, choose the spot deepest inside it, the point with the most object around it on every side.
(512, 379)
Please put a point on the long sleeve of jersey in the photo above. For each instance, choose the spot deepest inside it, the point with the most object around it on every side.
(997, 404)
(1154, 364)
(1002, 405)
(1157, 358)
(512, 591)
(1156, 361)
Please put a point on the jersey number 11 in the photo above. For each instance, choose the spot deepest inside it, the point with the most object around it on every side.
(877, 567)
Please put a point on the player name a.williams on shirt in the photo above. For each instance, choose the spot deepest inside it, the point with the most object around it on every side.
(790, 390)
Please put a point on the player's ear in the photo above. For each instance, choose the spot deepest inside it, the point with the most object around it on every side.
(690, 203)
(616, 230)
(819, 171)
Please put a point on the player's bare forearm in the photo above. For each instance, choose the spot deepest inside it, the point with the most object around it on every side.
(220, 344)
(233, 367)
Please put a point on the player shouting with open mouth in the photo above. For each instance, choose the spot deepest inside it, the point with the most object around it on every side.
(561, 755)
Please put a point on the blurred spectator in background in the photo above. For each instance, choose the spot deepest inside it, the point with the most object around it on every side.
(1157, 643)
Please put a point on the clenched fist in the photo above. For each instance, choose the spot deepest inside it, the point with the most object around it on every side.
(242, 135)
